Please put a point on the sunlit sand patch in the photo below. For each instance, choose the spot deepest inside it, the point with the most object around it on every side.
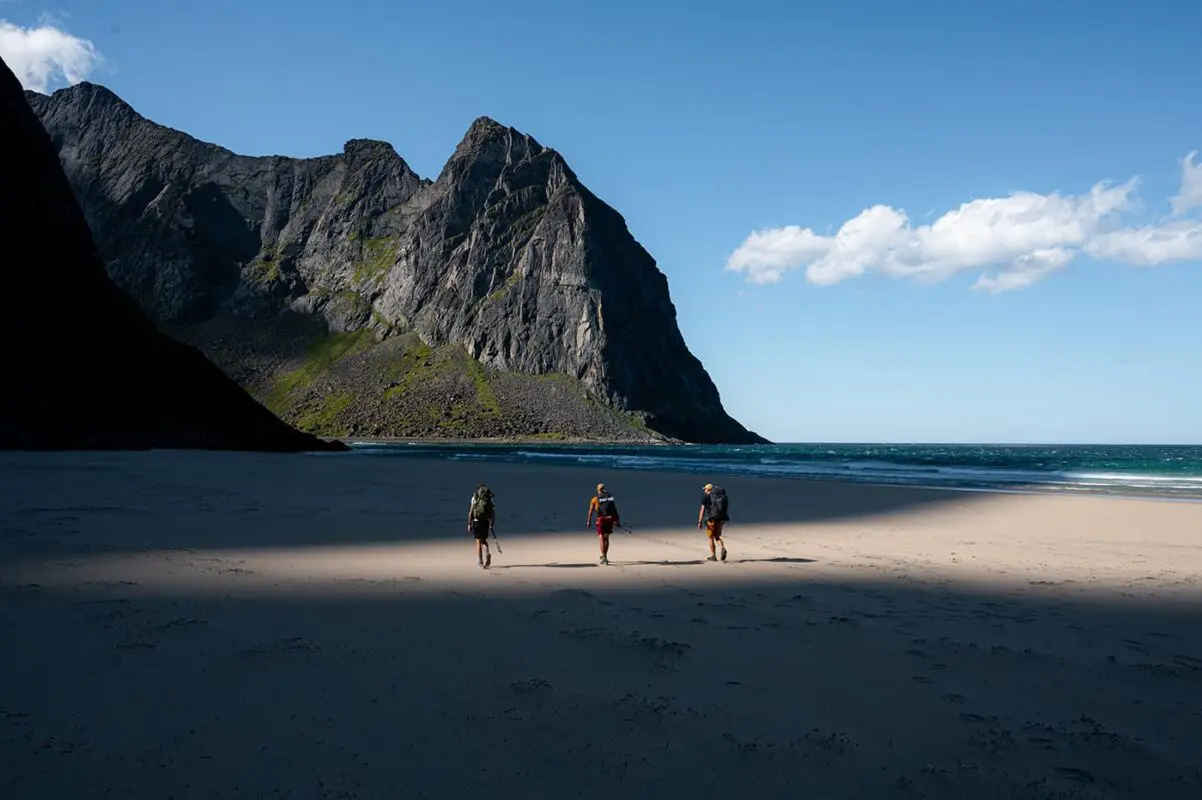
(533, 564)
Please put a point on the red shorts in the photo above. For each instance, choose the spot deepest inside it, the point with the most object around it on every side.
(605, 525)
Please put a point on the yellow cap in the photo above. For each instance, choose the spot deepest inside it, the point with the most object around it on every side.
(708, 486)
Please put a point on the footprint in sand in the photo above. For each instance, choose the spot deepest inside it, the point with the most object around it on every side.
(1075, 774)
(582, 633)
(955, 699)
(530, 685)
(182, 623)
(292, 644)
(920, 679)
(139, 644)
(658, 645)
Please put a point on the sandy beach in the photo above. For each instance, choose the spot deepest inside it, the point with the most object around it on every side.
(211, 625)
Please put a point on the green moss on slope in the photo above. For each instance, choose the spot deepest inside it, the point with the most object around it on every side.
(376, 257)
(510, 282)
(323, 418)
(321, 356)
(265, 267)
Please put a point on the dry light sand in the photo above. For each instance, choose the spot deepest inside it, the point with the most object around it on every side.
(208, 625)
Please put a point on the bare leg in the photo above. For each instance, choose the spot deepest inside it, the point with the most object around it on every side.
(604, 544)
(717, 539)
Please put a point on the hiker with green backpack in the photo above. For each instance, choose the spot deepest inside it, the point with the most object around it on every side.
(481, 519)
(714, 515)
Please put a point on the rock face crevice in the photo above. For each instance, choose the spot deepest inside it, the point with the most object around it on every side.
(85, 367)
(506, 256)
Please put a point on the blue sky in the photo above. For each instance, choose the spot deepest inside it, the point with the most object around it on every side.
(706, 125)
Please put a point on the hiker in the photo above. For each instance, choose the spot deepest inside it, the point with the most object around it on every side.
(713, 516)
(606, 509)
(481, 516)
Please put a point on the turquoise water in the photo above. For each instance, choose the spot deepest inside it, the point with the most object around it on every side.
(1150, 470)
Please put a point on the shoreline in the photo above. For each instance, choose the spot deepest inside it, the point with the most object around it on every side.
(549, 440)
(733, 470)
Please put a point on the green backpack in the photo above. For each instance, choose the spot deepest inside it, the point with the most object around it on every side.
(482, 505)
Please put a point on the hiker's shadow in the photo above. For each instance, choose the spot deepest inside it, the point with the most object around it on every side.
(659, 563)
(670, 563)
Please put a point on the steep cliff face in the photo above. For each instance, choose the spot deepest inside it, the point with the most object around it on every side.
(85, 368)
(445, 307)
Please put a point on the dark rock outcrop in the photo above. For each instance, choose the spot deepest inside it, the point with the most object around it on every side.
(506, 258)
(85, 367)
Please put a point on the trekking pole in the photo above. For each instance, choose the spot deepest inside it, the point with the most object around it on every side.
(497, 541)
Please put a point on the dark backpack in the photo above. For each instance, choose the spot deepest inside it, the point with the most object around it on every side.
(482, 503)
(719, 505)
(607, 506)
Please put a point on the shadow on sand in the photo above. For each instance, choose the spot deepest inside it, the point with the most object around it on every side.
(708, 682)
(786, 685)
(617, 562)
(244, 500)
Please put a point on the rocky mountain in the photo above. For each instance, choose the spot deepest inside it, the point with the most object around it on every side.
(86, 368)
(354, 297)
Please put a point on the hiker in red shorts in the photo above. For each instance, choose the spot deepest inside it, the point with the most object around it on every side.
(606, 509)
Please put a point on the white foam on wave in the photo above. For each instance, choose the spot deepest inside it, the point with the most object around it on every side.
(867, 470)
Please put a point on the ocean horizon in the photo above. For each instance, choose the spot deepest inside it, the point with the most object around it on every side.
(1158, 471)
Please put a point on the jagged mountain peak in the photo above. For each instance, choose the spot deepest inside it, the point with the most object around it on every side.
(506, 258)
(487, 138)
(364, 151)
(83, 89)
(76, 329)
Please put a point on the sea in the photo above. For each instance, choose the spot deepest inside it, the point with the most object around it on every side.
(1159, 471)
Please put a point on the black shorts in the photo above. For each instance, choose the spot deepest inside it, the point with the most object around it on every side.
(480, 529)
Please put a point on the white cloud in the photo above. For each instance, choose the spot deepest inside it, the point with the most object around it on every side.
(1150, 245)
(38, 56)
(1023, 237)
(1190, 196)
(1026, 270)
